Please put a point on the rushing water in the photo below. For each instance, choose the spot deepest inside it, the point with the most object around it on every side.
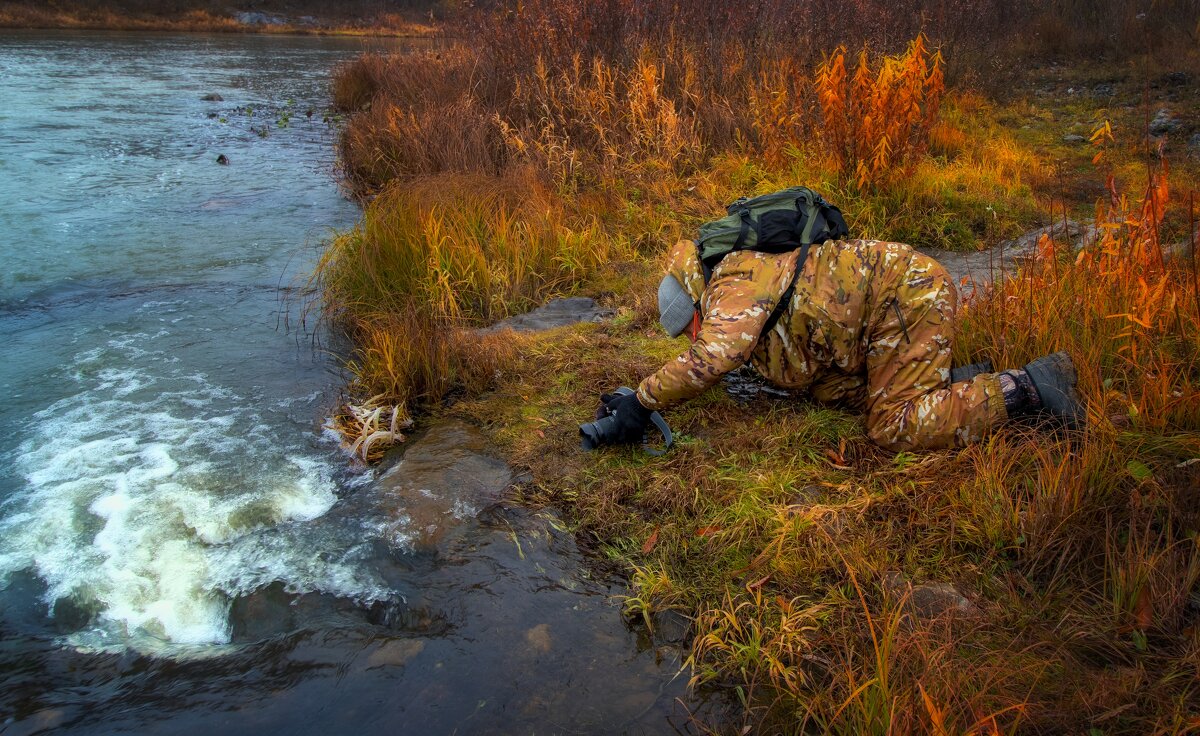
(181, 547)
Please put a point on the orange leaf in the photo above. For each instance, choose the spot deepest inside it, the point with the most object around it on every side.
(1143, 610)
(935, 714)
(648, 547)
(758, 583)
(707, 531)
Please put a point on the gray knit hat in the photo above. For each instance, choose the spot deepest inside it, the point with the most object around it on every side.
(675, 306)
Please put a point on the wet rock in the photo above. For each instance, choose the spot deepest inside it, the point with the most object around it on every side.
(538, 638)
(272, 610)
(395, 653)
(671, 627)
(1163, 123)
(555, 313)
(213, 97)
(928, 600)
(442, 479)
(1074, 138)
(74, 612)
(223, 160)
(43, 720)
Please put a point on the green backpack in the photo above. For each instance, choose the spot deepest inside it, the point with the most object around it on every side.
(796, 217)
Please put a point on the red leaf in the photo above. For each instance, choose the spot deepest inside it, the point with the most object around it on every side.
(707, 531)
(1143, 610)
(648, 547)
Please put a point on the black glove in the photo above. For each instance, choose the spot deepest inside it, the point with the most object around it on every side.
(631, 416)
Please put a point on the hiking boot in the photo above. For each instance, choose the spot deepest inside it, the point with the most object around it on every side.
(1054, 378)
(967, 372)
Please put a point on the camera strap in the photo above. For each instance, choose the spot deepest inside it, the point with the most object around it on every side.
(668, 438)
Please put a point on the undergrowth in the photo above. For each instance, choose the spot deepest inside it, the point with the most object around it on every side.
(794, 543)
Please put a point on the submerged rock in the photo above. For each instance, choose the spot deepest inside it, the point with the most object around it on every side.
(213, 97)
(555, 313)
(395, 653)
(443, 478)
(538, 638)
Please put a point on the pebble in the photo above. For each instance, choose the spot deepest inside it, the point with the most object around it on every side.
(538, 638)
(395, 653)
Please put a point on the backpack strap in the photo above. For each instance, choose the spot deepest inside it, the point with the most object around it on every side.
(741, 238)
(786, 298)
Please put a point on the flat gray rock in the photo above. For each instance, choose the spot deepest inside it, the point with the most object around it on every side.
(979, 268)
(928, 600)
(554, 313)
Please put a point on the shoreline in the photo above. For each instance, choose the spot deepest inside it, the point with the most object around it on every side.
(210, 24)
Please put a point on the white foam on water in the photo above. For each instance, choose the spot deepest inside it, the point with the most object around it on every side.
(155, 507)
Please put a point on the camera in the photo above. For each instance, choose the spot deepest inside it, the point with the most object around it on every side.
(605, 430)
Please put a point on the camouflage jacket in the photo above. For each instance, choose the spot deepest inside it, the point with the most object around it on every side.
(820, 343)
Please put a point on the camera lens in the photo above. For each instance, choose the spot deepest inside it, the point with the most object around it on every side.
(589, 435)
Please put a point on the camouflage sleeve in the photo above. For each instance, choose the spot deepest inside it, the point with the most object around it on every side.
(737, 304)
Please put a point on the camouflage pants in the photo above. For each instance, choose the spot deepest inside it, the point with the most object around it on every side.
(910, 402)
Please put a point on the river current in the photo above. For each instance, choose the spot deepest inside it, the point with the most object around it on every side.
(182, 546)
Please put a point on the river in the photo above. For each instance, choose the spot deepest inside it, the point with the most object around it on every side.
(183, 547)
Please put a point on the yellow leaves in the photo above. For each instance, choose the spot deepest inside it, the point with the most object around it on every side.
(1130, 317)
(1101, 138)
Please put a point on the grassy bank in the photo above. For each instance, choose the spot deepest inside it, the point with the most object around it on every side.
(357, 17)
(1031, 584)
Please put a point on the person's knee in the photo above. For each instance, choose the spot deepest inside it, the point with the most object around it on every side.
(900, 429)
(890, 429)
